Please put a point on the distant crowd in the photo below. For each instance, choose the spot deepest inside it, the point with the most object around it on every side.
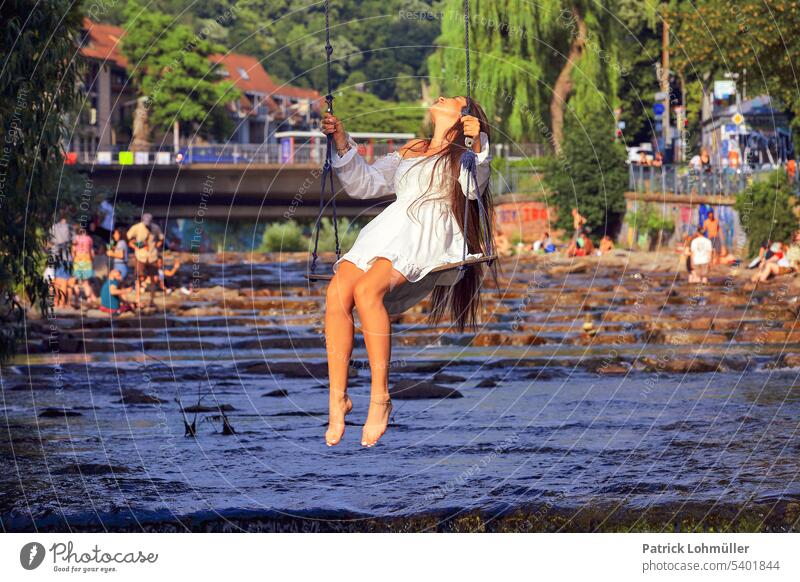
(579, 245)
(701, 163)
(75, 253)
(703, 249)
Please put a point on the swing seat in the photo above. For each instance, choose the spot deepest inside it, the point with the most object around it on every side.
(313, 277)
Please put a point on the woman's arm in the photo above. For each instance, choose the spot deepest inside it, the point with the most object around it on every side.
(171, 272)
(360, 179)
(363, 180)
(484, 169)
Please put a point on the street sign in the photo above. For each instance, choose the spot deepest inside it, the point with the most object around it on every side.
(658, 108)
(738, 118)
(660, 96)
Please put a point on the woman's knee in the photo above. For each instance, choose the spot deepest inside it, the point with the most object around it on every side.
(366, 295)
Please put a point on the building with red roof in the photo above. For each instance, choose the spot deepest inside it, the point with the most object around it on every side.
(265, 106)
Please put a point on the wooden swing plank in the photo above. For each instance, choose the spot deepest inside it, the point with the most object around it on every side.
(467, 263)
(441, 268)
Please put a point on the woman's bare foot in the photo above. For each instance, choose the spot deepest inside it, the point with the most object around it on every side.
(377, 421)
(338, 408)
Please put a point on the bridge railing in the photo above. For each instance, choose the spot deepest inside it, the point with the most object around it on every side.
(681, 179)
(269, 153)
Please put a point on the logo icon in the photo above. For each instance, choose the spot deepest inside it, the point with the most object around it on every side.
(31, 555)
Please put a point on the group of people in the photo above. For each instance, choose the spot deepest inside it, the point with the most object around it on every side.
(776, 259)
(705, 249)
(580, 244)
(72, 254)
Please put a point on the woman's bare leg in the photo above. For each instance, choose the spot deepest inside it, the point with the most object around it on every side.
(339, 345)
(368, 294)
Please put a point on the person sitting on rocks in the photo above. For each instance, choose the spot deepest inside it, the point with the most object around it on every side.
(581, 246)
(606, 245)
(502, 245)
(778, 264)
(540, 245)
(166, 277)
(727, 258)
(111, 294)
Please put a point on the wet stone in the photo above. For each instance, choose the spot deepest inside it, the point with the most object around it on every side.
(415, 390)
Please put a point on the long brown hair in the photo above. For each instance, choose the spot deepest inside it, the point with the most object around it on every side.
(462, 301)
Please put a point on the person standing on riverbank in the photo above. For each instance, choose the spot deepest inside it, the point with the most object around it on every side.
(701, 251)
(390, 266)
(83, 266)
(144, 238)
(578, 222)
(711, 228)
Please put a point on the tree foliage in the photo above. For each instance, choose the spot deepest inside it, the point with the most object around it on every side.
(169, 66)
(38, 92)
(386, 40)
(715, 36)
(589, 174)
(519, 51)
(766, 211)
(366, 112)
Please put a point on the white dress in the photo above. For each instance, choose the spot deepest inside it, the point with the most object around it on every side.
(416, 238)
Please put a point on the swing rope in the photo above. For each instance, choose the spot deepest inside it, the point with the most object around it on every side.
(469, 161)
(327, 173)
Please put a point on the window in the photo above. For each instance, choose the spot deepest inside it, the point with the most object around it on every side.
(243, 74)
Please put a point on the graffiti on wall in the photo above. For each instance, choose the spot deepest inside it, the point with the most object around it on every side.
(524, 221)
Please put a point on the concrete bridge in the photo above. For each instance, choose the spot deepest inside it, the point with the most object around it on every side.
(219, 190)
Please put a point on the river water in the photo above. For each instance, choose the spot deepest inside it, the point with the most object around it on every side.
(522, 434)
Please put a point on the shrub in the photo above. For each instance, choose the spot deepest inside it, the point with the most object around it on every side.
(348, 232)
(766, 211)
(648, 220)
(283, 236)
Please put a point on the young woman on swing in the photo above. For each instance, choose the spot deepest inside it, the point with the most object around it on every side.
(390, 266)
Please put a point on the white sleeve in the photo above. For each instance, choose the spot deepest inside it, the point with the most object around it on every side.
(484, 170)
(363, 180)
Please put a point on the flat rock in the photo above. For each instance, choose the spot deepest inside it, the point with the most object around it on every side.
(57, 413)
(293, 369)
(206, 408)
(487, 383)
(279, 393)
(416, 390)
(445, 377)
(136, 396)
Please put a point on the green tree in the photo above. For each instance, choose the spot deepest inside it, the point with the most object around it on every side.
(713, 37)
(170, 67)
(366, 112)
(529, 60)
(38, 92)
(589, 174)
(766, 211)
(639, 51)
